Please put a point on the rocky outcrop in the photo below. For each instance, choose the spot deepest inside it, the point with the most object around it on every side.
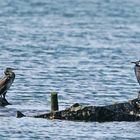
(118, 112)
(3, 102)
(128, 111)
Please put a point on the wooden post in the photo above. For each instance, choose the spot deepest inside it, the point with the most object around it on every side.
(54, 102)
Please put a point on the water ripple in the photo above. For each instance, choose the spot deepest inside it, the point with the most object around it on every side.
(80, 49)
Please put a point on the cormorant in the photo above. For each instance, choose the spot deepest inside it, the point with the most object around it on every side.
(6, 81)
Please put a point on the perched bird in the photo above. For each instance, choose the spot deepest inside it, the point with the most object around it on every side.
(6, 81)
(137, 70)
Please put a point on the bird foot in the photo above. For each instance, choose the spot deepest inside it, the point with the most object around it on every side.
(139, 95)
(138, 105)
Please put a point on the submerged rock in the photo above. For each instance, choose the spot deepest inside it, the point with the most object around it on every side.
(118, 112)
(19, 114)
(127, 111)
(3, 102)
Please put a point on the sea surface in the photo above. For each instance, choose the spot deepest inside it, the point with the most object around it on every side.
(81, 49)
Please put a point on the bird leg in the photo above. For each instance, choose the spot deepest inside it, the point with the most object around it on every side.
(138, 102)
(4, 94)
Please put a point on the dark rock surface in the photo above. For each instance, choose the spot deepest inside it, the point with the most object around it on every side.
(3, 102)
(127, 111)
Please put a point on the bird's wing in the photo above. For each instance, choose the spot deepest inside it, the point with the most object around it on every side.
(3, 81)
(137, 73)
(3, 88)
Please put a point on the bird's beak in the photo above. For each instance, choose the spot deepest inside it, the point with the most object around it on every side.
(134, 62)
(14, 69)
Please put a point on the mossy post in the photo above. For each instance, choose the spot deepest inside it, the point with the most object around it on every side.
(54, 102)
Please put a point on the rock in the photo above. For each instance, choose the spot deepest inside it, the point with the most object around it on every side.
(3, 102)
(19, 114)
(127, 111)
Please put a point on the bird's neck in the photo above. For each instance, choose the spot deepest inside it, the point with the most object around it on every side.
(138, 65)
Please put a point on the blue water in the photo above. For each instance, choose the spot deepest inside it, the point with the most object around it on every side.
(81, 49)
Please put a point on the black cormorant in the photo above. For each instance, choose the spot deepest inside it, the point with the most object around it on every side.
(6, 81)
